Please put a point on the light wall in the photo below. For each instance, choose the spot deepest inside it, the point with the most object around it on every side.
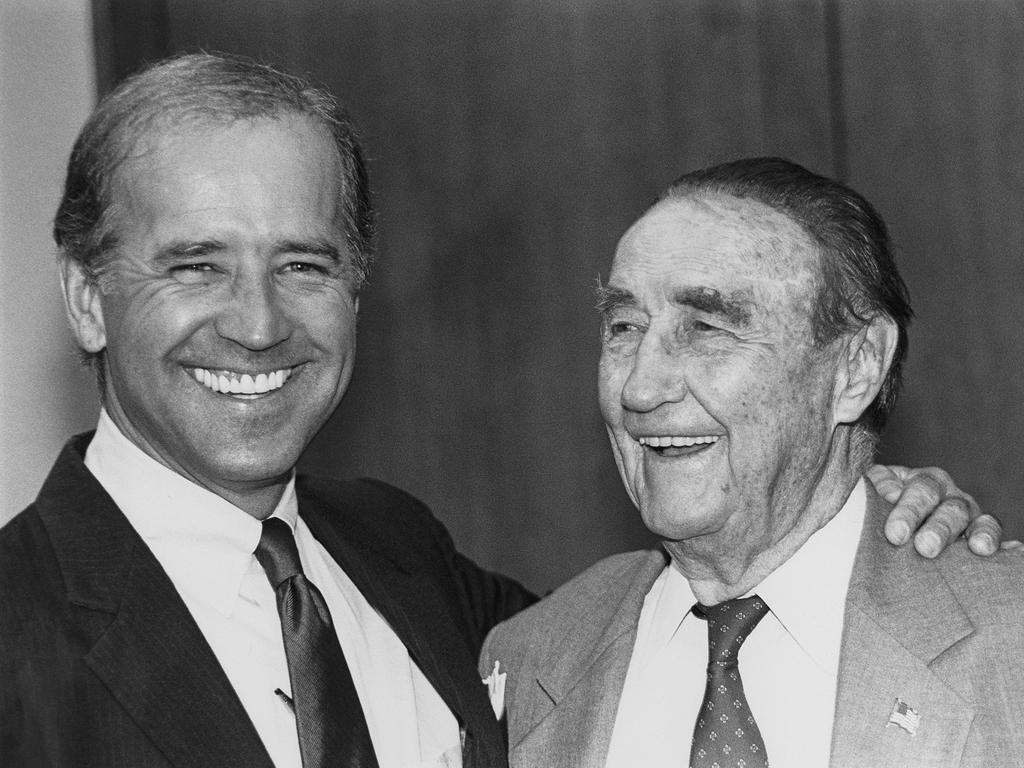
(47, 87)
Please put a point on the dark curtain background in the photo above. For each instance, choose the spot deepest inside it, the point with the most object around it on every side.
(512, 142)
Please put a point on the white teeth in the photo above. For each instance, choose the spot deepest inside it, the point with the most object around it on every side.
(676, 441)
(242, 383)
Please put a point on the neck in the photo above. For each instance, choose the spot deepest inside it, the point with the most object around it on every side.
(259, 503)
(729, 563)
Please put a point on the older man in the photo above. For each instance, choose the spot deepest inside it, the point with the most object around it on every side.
(177, 596)
(754, 328)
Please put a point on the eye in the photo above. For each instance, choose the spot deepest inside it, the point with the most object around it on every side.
(700, 325)
(618, 332)
(199, 272)
(305, 267)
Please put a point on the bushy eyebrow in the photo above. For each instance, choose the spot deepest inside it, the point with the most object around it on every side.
(735, 307)
(608, 298)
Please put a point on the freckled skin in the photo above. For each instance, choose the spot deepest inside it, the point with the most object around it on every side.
(730, 512)
(206, 273)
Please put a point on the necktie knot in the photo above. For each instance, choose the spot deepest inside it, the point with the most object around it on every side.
(729, 624)
(277, 552)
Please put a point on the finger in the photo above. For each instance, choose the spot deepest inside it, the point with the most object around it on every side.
(1013, 545)
(949, 489)
(983, 534)
(944, 525)
(920, 496)
(899, 525)
(888, 483)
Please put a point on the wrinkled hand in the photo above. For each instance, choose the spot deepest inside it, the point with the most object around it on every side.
(928, 502)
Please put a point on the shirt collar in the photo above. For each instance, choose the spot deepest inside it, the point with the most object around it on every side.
(204, 542)
(807, 593)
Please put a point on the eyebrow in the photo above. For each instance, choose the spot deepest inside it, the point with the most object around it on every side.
(310, 248)
(184, 249)
(609, 298)
(735, 307)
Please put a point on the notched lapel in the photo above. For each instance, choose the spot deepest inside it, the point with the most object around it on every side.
(875, 671)
(574, 727)
(157, 664)
(901, 617)
(580, 680)
(146, 647)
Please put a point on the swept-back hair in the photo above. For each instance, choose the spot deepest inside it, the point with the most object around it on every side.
(202, 90)
(859, 278)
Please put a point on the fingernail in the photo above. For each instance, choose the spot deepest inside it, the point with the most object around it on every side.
(986, 543)
(928, 543)
(901, 532)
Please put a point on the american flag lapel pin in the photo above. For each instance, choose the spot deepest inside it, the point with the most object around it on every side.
(904, 716)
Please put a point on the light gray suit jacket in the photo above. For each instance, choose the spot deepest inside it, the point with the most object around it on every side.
(946, 636)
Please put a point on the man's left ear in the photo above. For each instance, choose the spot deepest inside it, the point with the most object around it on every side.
(869, 353)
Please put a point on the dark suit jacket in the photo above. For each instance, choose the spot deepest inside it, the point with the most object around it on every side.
(101, 663)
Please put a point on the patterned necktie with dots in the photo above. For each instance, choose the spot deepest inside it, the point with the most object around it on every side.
(726, 735)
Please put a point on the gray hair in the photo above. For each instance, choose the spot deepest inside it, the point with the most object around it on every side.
(860, 280)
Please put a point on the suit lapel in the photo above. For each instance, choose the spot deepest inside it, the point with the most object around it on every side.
(581, 679)
(892, 649)
(140, 639)
(421, 618)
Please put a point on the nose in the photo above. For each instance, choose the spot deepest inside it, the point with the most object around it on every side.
(655, 378)
(253, 316)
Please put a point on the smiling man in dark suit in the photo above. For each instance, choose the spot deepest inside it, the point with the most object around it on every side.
(214, 234)
(177, 596)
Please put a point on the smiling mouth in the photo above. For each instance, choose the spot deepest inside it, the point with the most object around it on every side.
(234, 383)
(677, 445)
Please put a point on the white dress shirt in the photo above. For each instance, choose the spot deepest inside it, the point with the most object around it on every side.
(789, 663)
(206, 545)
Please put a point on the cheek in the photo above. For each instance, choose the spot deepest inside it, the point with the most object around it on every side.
(145, 313)
(794, 406)
(328, 316)
(610, 379)
(760, 394)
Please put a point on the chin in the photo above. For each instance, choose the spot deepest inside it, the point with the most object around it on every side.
(673, 524)
(237, 468)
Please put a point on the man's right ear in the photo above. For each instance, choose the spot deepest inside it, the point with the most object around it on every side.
(82, 303)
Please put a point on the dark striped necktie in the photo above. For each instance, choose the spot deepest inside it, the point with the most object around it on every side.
(329, 718)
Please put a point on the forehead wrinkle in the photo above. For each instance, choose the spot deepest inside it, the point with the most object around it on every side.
(770, 238)
(695, 233)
